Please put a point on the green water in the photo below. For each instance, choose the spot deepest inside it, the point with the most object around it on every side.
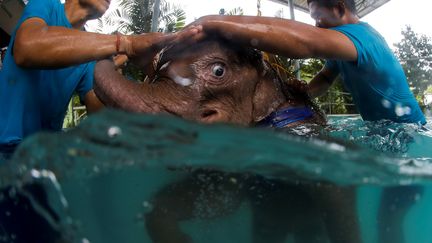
(111, 168)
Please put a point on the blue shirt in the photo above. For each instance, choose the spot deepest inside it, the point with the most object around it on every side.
(32, 100)
(376, 80)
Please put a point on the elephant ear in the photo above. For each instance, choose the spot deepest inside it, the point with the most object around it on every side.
(268, 96)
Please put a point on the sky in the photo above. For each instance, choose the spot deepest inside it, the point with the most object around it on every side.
(389, 19)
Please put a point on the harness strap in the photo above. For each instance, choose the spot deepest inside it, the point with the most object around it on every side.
(286, 116)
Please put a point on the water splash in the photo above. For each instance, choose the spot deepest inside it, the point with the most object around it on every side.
(344, 156)
(115, 160)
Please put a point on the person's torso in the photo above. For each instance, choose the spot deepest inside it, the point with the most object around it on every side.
(32, 100)
(377, 81)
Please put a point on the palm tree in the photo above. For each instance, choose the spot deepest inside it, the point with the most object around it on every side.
(135, 17)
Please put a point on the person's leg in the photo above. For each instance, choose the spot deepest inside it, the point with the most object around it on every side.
(395, 203)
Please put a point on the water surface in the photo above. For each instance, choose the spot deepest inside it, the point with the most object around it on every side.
(103, 176)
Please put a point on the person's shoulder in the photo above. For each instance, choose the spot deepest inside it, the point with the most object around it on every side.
(360, 30)
(354, 26)
(43, 2)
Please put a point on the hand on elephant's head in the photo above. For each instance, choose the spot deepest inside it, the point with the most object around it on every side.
(141, 48)
(210, 81)
(225, 82)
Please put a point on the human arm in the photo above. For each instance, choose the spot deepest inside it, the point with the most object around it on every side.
(38, 45)
(281, 36)
(321, 82)
(92, 102)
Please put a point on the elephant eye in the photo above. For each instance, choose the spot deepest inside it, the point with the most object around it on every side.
(218, 70)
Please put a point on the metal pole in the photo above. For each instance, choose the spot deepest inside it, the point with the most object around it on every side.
(296, 62)
(156, 11)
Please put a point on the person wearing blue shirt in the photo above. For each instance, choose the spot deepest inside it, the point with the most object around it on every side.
(49, 58)
(354, 50)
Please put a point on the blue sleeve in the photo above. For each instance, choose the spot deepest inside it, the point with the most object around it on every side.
(355, 33)
(38, 8)
(86, 83)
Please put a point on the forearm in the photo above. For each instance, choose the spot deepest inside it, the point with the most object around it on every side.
(92, 102)
(55, 47)
(321, 82)
(317, 88)
(38, 45)
(281, 36)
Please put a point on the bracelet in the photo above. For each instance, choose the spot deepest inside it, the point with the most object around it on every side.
(118, 43)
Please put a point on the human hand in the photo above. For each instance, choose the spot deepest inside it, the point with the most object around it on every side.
(209, 24)
(120, 60)
(142, 48)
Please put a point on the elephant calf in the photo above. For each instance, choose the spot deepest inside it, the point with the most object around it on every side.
(216, 81)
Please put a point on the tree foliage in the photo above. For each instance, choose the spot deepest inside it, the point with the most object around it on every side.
(336, 100)
(415, 53)
(72, 116)
(235, 11)
(135, 17)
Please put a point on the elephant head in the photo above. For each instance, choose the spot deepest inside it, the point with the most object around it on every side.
(210, 81)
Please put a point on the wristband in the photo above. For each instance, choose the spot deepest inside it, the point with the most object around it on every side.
(118, 43)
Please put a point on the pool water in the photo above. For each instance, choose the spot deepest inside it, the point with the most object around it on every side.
(106, 177)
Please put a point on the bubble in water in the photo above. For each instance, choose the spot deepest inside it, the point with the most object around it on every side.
(146, 204)
(386, 103)
(399, 110)
(114, 131)
(402, 110)
(407, 110)
(182, 81)
(336, 147)
(85, 240)
(178, 79)
(96, 169)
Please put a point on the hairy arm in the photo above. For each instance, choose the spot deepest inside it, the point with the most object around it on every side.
(92, 102)
(321, 83)
(114, 90)
(38, 45)
(281, 36)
